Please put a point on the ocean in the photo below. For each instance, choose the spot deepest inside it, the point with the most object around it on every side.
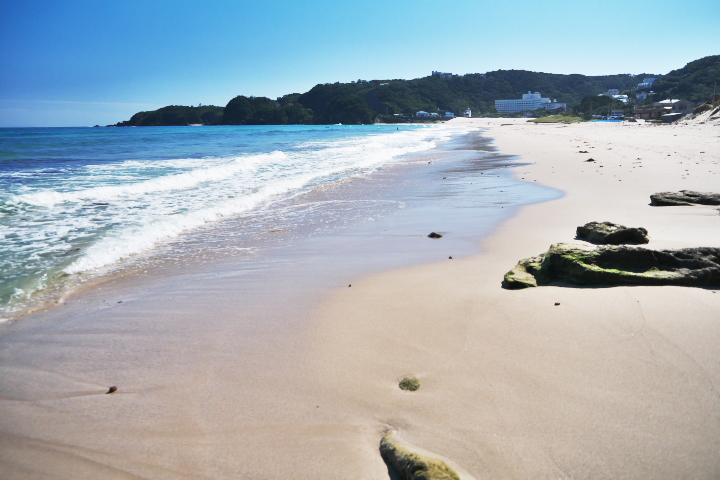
(80, 203)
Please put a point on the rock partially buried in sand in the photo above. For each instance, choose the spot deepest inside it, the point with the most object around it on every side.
(608, 233)
(617, 265)
(112, 389)
(684, 197)
(410, 384)
(434, 235)
(412, 466)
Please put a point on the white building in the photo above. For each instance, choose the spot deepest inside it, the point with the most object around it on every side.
(468, 114)
(529, 101)
(646, 83)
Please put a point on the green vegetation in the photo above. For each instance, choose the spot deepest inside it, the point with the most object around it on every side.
(557, 119)
(409, 383)
(263, 111)
(695, 81)
(176, 115)
(412, 466)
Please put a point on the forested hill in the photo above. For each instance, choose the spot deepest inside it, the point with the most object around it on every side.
(365, 101)
(352, 102)
(176, 115)
(696, 81)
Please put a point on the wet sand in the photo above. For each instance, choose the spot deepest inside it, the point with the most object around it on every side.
(282, 370)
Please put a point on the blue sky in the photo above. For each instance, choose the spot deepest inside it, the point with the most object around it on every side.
(68, 63)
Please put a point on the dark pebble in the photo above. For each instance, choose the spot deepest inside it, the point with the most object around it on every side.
(113, 389)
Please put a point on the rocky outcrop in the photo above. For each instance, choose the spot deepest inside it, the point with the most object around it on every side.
(617, 265)
(608, 233)
(412, 466)
(684, 197)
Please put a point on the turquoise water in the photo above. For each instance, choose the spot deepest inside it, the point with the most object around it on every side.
(74, 201)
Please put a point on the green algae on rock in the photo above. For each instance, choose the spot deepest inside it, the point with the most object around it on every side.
(617, 265)
(409, 383)
(412, 466)
(608, 233)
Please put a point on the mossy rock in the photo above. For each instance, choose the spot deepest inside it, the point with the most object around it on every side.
(618, 265)
(412, 466)
(522, 276)
(409, 383)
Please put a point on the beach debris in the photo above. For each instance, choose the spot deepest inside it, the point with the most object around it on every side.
(412, 466)
(450, 258)
(112, 389)
(434, 235)
(583, 151)
(590, 160)
(684, 197)
(617, 265)
(410, 383)
(350, 285)
(608, 233)
(557, 303)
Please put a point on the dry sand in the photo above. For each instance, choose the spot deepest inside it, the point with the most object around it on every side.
(619, 382)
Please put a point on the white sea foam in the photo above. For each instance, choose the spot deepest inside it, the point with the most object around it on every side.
(111, 211)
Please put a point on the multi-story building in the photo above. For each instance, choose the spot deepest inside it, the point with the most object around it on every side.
(529, 101)
(646, 83)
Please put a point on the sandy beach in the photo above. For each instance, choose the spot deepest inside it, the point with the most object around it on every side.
(260, 373)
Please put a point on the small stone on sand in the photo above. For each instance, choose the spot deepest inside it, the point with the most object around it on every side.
(112, 389)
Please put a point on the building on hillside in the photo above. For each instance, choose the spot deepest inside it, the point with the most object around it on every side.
(611, 92)
(646, 83)
(529, 101)
(641, 97)
(468, 113)
(443, 74)
(422, 113)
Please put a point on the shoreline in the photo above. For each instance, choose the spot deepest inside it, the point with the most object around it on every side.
(512, 386)
(171, 338)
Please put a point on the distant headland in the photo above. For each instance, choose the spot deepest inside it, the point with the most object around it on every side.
(397, 100)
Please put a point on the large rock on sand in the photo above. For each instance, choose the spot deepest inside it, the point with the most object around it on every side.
(684, 197)
(412, 466)
(617, 265)
(608, 233)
